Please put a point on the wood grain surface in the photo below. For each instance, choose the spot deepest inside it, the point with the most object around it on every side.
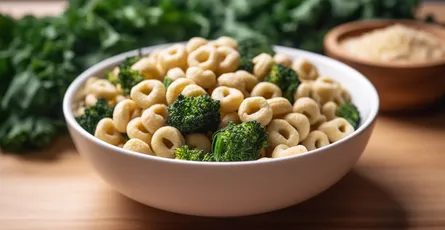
(399, 183)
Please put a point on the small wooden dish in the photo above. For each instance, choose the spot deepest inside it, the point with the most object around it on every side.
(400, 86)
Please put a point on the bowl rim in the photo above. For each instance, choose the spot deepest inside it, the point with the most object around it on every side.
(114, 60)
(332, 42)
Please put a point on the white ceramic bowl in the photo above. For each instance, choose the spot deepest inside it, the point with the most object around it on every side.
(232, 188)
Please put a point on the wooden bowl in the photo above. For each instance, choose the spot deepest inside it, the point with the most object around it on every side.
(400, 86)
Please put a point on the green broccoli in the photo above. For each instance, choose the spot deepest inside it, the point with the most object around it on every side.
(241, 142)
(249, 48)
(186, 153)
(349, 112)
(194, 114)
(286, 78)
(126, 78)
(94, 114)
(167, 81)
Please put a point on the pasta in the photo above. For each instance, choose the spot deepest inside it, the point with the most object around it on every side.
(217, 88)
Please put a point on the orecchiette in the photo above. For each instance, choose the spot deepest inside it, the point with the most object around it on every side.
(147, 93)
(281, 132)
(300, 122)
(267, 90)
(329, 110)
(255, 108)
(336, 129)
(147, 67)
(174, 56)
(175, 73)
(205, 57)
(285, 151)
(230, 98)
(137, 145)
(262, 64)
(305, 89)
(123, 113)
(106, 131)
(193, 90)
(316, 139)
(194, 43)
(229, 117)
(306, 70)
(154, 117)
(204, 78)
(282, 59)
(198, 141)
(165, 140)
(280, 106)
(309, 108)
(176, 88)
(136, 129)
(102, 88)
(229, 60)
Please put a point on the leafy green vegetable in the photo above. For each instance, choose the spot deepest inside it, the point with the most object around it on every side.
(241, 142)
(286, 78)
(40, 57)
(167, 81)
(94, 114)
(126, 78)
(186, 153)
(349, 112)
(194, 114)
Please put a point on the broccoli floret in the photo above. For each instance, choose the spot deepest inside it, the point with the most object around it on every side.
(186, 153)
(286, 78)
(94, 114)
(126, 78)
(194, 114)
(249, 48)
(241, 142)
(167, 81)
(349, 112)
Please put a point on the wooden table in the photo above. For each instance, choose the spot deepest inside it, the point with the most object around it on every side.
(399, 183)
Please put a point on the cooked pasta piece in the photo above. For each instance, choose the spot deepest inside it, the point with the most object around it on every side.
(305, 89)
(175, 73)
(165, 140)
(106, 131)
(123, 113)
(225, 41)
(173, 56)
(262, 64)
(326, 88)
(282, 59)
(306, 70)
(205, 57)
(267, 90)
(336, 129)
(229, 117)
(316, 139)
(230, 98)
(229, 60)
(198, 141)
(281, 132)
(249, 79)
(285, 151)
(154, 117)
(300, 122)
(193, 90)
(280, 106)
(194, 43)
(137, 145)
(176, 88)
(204, 78)
(255, 108)
(147, 67)
(309, 108)
(147, 93)
(136, 129)
(232, 81)
(329, 109)
(90, 100)
(102, 88)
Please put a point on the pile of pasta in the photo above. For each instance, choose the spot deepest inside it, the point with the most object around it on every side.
(201, 67)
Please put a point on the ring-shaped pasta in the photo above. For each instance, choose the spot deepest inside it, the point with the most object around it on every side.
(300, 122)
(282, 59)
(165, 140)
(230, 98)
(326, 88)
(280, 106)
(249, 79)
(305, 89)
(229, 60)
(233, 81)
(147, 93)
(281, 132)
(262, 65)
(336, 129)
(154, 117)
(173, 56)
(106, 131)
(90, 100)
(176, 88)
(306, 70)
(102, 88)
(193, 90)
(225, 41)
(308, 107)
(267, 90)
(137, 145)
(205, 57)
(316, 139)
(285, 151)
(147, 67)
(229, 117)
(329, 110)
(136, 129)
(123, 113)
(175, 73)
(255, 108)
(198, 141)
(204, 78)
(194, 43)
